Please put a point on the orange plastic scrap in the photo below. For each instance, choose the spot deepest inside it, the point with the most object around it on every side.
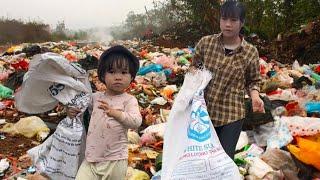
(167, 93)
(307, 151)
(71, 57)
(315, 138)
(143, 53)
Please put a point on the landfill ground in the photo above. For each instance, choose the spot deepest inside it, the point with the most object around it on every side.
(283, 143)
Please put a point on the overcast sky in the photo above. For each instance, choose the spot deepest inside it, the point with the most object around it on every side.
(77, 14)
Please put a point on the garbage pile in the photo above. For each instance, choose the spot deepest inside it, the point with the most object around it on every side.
(283, 143)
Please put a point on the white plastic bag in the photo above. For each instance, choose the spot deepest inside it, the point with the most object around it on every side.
(50, 80)
(192, 150)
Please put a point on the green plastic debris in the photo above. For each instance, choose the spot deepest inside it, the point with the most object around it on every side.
(246, 147)
(183, 60)
(188, 56)
(240, 161)
(159, 162)
(5, 92)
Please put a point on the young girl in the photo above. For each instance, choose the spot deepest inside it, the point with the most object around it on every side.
(113, 113)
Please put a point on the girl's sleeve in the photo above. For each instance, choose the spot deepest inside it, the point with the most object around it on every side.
(131, 117)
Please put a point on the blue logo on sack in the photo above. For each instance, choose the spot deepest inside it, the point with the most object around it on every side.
(199, 126)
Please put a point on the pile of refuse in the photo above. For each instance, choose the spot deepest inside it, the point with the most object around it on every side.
(282, 143)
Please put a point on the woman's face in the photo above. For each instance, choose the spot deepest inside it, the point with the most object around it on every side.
(230, 27)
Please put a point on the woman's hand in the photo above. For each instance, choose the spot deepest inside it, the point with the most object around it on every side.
(257, 104)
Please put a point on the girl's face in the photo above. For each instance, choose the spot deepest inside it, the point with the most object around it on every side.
(117, 79)
(230, 27)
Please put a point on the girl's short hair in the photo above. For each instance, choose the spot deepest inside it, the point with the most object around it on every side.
(233, 9)
(117, 57)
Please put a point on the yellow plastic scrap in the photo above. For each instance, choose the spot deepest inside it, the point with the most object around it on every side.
(307, 151)
(13, 49)
(28, 127)
(135, 174)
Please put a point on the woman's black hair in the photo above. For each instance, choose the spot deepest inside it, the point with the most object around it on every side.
(117, 57)
(233, 9)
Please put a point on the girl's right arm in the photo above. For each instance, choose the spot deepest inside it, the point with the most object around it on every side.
(129, 118)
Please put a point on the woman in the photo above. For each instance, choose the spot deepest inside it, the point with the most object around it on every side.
(234, 64)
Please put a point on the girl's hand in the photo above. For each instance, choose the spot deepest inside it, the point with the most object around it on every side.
(72, 112)
(108, 110)
(257, 104)
(104, 106)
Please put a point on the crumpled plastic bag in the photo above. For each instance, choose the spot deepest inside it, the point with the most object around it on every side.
(258, 167)
(165, 61)
(4, 165)
(21, 65)
(281, 160)
(159, 100)
(307, 151)
(133, 137)
(280, 135)
(302, 126)
(284, 95)
(28, 127)
(242, 141)
(157, 129)
(135, 174)
(294, 109)
(168, 91)
(152, 134)
(5, 92)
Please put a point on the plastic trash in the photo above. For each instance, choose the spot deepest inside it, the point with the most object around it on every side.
(281, 160)
(4, 76)
(21, 65)
(258, 167)
(28, 127)
(148, 139)
(150, 68)
(157, 176)
(159, 100)
(165, 61)
(307, 70)
(302, 126)
(135, 174)
(262, 133)
(31, 169)
(4, 165)
(306, 151)
(167, 72)
(183, 60)
(168, 91)
(295, 65)
(2, 121)
(133, 137)
(280, 135)
(5, 92)
(242, 141)
(312, 107)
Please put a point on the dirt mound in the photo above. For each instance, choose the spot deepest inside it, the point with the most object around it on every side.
(303, 45)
